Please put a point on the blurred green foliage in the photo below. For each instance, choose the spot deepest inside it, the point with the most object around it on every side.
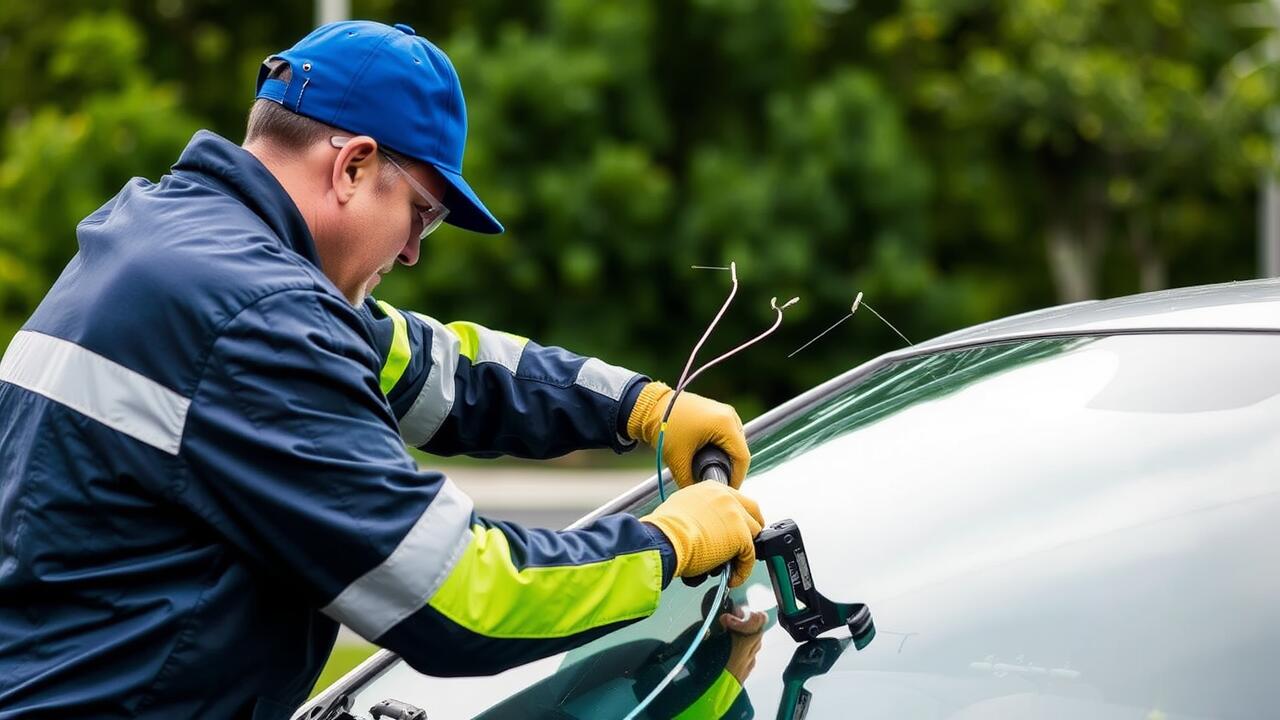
(956, 160)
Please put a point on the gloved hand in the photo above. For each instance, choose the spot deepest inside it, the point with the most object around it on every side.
(695, 421)
(710, 524)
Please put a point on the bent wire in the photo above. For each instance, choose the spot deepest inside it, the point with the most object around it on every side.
(685, 379)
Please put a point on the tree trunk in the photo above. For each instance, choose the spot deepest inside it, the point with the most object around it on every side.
(1152, 273)
(1071, 263)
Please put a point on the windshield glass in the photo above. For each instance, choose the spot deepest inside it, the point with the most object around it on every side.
(1051, 528)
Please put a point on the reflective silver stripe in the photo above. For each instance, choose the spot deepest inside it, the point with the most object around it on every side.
(112, 394)
(404, 582)
(435, 400)
(600, 376)
(498, 347)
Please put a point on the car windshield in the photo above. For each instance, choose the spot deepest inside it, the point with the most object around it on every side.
(1077, 527)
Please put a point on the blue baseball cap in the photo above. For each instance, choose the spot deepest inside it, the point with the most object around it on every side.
(392, 85)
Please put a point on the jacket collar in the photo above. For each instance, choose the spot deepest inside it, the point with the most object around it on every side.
(216, 161)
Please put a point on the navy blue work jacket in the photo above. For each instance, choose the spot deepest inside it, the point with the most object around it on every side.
(203, 471)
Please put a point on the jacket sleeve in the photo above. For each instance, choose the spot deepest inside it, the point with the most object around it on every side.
(463, 388)
(291, 454)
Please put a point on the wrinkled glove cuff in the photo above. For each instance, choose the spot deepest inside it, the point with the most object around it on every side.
(646, 403)
(677, 539)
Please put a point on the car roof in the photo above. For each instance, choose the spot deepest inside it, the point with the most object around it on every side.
(1236, 306)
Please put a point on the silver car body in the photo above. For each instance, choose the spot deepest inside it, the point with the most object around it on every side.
(1249, 312)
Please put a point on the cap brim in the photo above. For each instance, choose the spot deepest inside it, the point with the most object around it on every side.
(465, 209)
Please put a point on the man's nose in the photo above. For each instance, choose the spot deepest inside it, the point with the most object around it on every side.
(409, 255)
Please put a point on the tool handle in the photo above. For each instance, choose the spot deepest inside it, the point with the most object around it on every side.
(712, 464)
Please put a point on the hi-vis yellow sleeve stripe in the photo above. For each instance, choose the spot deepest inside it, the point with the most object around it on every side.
(487, 595)
(398, 357)
(479, 344)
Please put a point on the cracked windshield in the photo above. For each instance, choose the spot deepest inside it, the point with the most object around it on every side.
(985, 551)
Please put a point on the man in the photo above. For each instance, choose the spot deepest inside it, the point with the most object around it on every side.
(204, 425)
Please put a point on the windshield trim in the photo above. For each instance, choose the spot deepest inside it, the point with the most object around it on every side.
(334, 696)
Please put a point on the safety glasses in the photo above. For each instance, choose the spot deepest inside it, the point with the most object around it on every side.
(428, 219)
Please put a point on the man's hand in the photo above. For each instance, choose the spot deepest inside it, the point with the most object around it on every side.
(709, 524)
(695, 421)
(747, 630)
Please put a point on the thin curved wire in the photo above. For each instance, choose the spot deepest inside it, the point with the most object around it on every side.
(857, 302)
(733, 273)
(684, 382)
(776, 322)
(886, 322)
(693, 646)
(666, 414)
(724, 570)
(852, 309)
(662, 494)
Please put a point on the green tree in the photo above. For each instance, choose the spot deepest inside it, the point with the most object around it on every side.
(1105, 129)
(622, 147)
(100, 119)
(956, 160)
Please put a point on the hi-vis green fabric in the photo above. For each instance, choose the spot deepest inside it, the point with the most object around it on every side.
(488, 595)
(439, 379)
(480, 344)
(468, 338)
(398, 356)
(475, 342)
(716, 701)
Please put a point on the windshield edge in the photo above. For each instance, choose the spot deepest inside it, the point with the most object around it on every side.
(647, 489)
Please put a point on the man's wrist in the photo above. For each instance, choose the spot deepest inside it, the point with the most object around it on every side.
(628, 404)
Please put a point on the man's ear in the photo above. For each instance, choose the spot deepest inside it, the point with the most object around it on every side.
(355, 165)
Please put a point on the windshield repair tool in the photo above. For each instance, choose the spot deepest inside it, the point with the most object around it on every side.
(710, 464)
(802, 610)
(719, 469)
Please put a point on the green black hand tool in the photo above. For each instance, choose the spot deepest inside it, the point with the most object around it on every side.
(802, 610)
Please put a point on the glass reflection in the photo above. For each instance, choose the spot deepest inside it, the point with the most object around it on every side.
(1054, 528)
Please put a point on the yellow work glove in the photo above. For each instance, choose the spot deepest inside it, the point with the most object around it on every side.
(695, 421)
(709, 524)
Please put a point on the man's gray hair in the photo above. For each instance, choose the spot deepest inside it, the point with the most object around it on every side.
(272, 124)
